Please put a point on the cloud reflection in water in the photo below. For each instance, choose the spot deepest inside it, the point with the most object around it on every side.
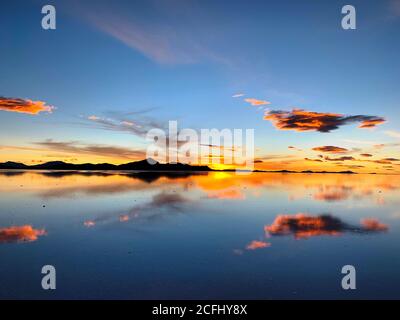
(17, 234)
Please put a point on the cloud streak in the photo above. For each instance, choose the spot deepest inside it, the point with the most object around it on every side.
(257, 102)
(147, 211)
(330, 149)
(256, 244)
(238, 95)
(139, 128)
(164, 42)
(344, 158)
(392, 133)
(92, 149)
(24, 106)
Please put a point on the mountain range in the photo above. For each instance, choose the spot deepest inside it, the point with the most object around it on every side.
(145, 165)
(142, 165)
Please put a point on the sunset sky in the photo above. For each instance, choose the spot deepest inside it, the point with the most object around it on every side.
(318, 97)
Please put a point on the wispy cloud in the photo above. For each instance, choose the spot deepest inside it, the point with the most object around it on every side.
(94, 118)
(361, 142)
(314, 160)
(270, 157)
(294, 148)
(391, 159)
(257, 102)
(384, 145)
(344, 158)
(147, 211)
(24, 106)
(76, 147)
(303, 120)
(257, 244)
(160, 39)
(238, 95)
(330, 149)
(120, 123)
(138, 127)
(392, 133)
(395, 7)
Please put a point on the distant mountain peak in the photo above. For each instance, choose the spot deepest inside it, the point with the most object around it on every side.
(13, 164)
(54, 163)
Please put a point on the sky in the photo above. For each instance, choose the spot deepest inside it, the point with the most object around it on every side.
(317, 96)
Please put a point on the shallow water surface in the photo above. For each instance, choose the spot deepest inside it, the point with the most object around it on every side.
(213, 235)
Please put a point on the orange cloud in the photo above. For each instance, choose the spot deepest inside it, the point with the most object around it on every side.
(89, 223)
(303, 120)
(302, 225)
(94, 118)
(124, 218)
(315, 160)
(367, 155)
(371, 123)
(330, 149)
(344, 158)
(382, 161)
(373, 224)
(254, 245)
(391, 159)
(257, 102)
(24, 106)
(20, 234)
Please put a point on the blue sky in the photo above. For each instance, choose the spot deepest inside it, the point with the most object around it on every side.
(183, 60)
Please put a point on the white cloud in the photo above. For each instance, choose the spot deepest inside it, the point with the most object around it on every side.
(392, 133)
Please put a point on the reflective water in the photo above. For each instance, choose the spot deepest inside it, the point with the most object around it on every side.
(208, 236)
